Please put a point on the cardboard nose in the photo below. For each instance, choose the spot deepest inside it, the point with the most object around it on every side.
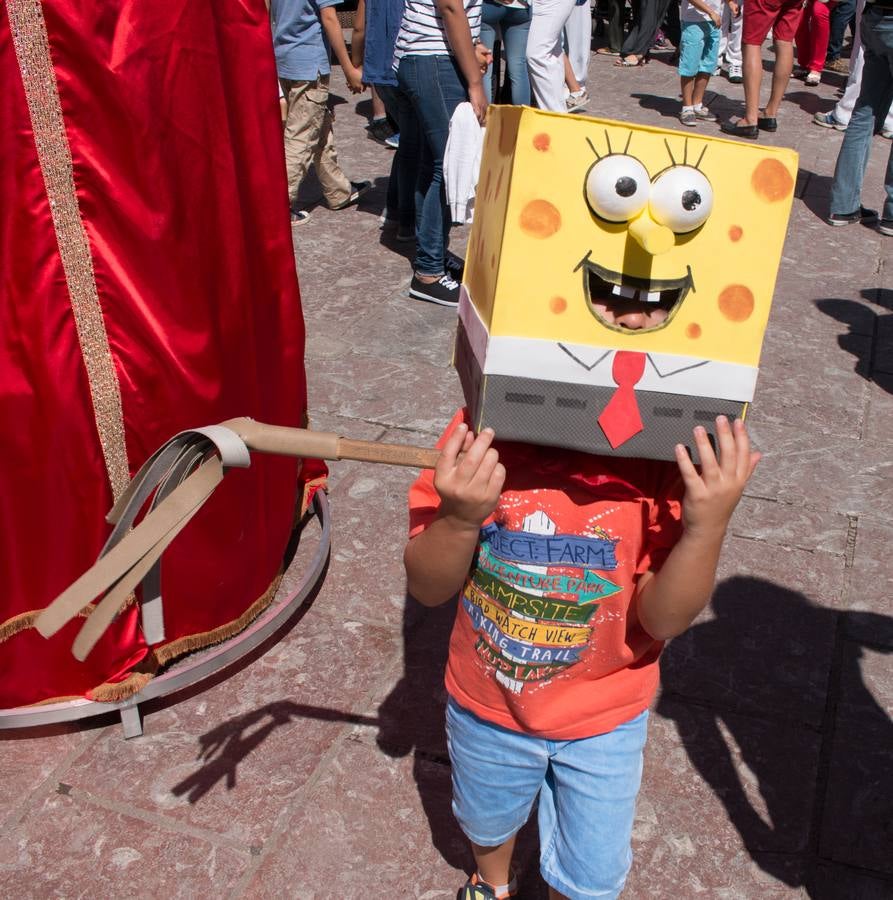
(651, 237)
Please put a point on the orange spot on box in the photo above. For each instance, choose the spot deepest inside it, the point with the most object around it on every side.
(693, 330)
(558, 305)
(736, 302)
(540, 219)
(735, 233)
(771, 180)
(541, 141)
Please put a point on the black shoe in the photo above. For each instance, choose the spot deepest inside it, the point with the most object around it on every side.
(443, 292)
(885, 226)
(860, 215)
(454, 265)
(767, 123)
(357, 189)
(380, 130)
(739, 129)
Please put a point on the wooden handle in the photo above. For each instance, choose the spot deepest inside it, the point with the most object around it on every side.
(328, 445)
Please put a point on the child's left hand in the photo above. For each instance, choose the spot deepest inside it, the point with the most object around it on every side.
(712, 495)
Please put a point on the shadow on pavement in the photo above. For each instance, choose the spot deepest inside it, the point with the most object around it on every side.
(742, 689)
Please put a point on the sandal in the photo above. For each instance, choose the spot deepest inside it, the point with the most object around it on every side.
(626, 63)
(478, 889)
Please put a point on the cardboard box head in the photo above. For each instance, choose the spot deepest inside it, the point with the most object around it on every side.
(618, 281)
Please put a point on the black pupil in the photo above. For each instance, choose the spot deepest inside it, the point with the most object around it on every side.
(691, 200)
(626, 187)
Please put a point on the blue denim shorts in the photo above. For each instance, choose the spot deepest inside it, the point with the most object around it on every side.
(587, 796)
(698, 49)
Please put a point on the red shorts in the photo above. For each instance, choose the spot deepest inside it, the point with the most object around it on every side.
(782, 16)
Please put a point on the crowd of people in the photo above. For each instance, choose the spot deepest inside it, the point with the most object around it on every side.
(422, 59)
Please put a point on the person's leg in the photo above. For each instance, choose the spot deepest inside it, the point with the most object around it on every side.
(641, 37)
(579, 40)
(841, 16)
(586, 810)
(688, 85)
(753, 75)
(491, 20)
(335, 184)
(515, 28)
(733, 45)
(435, 89)
(781, 75)
(545, 52)
(303, 121)
(700, 87)
(846, 187)
(819, 32)
(672, 25)
(615, 24)
(405, 164)
(496, 775)
(803, 38)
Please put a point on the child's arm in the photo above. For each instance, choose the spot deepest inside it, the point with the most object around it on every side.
(332, 28)
(669, 600)
(458, 33)
(704, 8)
(358, 35)
(438, 559)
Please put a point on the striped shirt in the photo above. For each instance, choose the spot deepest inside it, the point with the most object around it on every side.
(422, 32)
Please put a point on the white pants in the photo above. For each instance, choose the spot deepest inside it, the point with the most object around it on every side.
(545, 51)
(844, 108)
(730, 36)
(578, 33)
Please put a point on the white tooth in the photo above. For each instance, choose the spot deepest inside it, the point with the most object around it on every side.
(653, 297)
(628, 292)
(616, 290)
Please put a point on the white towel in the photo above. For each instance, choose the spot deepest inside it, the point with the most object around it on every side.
(462, 162)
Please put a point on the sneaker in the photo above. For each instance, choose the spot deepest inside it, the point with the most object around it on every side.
(393, 142)
(379, 130)
(300, 217)
(577, 100)
(717, 71)
(861, 215)
(454, 265)
(357, 189)
(736, 76)
(828, 120)
(688, 117)
(885, 226)
(886, 133)
(813, 79)
(443, 292)
(840, 65)
(704, 114)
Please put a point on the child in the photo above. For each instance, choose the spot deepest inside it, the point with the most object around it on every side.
(574, 569)
(303, 30)
(699, 55)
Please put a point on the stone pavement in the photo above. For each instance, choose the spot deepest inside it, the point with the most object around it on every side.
(319, 769)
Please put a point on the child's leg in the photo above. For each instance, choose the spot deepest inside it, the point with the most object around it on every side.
(495, 863)
(303, 120)
(586, 810)
(700, 86)
(335, 184)
(688, 84)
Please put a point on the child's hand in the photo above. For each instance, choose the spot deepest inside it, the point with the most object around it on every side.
(355, 80)
(734, 8)
(469, 484)
(484, 56)
(711, 496)
(716, 17)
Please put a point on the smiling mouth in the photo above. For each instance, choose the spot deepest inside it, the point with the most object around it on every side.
(610, 294)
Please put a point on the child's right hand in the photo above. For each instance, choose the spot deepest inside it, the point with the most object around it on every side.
(717, 19)
(355, 80)
(468, 477)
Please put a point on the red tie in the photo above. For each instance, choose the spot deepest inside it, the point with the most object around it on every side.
(620, 419)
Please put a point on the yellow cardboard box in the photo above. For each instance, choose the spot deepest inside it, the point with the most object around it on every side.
(584, 229)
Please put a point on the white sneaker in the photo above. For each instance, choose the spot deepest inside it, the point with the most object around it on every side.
(736, 76)
(813, 79)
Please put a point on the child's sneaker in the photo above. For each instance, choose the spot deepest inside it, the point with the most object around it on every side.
(443, 292)
(736, 76)
(577, 100)
(393, 142)
(704, 114)
(813, 79)
(357, 189)
(379, 130)
(688, 117)
(478, 889)
(300, 217)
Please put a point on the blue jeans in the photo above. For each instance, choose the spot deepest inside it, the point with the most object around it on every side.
(587, 796)
(871, 109)
(514, 25)
(435, 88)
(841, 16)
(405, 164)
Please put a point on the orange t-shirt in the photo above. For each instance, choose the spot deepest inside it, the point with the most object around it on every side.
(546, 638)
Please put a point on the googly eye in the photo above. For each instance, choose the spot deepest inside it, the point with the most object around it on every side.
(617, 187)
(681, 199)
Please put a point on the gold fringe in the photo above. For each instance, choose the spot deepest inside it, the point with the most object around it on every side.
(24, 621)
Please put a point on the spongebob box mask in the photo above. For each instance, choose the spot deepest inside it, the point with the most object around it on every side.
(618, 281)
